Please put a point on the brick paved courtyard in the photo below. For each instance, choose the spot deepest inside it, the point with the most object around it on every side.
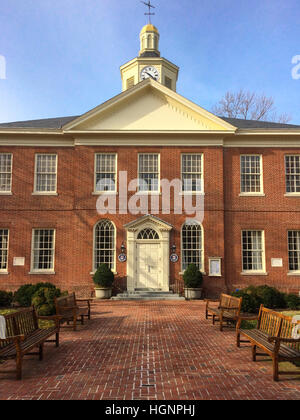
(146, 351)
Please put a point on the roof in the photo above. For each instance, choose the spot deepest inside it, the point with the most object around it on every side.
(57, 123)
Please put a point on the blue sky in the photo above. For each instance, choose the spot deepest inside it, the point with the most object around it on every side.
(63, 56)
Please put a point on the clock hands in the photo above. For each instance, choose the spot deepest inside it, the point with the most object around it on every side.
(150, 75)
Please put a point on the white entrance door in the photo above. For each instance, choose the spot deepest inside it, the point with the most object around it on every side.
(148, 270)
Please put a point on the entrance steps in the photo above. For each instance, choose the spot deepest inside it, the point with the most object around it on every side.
(148, 294)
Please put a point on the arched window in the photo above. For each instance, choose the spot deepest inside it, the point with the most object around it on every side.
(192, 245)
(148, 234)
(104, 244)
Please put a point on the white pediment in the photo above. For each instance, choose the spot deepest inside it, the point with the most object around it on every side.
(148, 106)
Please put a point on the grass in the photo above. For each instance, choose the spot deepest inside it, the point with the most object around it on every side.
(42, 324)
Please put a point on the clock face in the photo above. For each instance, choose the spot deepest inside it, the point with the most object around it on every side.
(151, 72)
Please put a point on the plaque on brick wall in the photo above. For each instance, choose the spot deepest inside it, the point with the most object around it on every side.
(276, 262)
(19, 261)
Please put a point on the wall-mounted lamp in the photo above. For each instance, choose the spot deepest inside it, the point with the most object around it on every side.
(123, 248)
(173, 248)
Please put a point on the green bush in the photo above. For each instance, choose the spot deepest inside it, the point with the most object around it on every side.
(292, 301)
(6, 299)
(250, 303)
(26, 292)
(192, 277)
(43, 300)
(268, 296)
(104, 277)
(24, 295)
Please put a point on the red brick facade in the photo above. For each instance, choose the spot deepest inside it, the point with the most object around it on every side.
(72, 213)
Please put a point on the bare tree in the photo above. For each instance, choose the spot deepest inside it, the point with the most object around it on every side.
(249, 105)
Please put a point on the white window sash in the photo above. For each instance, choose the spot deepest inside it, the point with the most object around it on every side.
(37, 250)
(198, 174)
(6, 174)
(45, 174)
(4, 250)
(105, 171)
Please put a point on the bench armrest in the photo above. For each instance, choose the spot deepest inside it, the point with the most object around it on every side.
(84, 300)
(245, 318)
(212, 300)
(227, 308)
(68, 307)
(283, 340)
(14, 338)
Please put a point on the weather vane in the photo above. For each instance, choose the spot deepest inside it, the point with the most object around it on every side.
(149, 5)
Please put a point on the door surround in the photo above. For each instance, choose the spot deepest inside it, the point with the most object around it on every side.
(163, 230)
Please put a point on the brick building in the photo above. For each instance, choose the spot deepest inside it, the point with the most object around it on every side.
(57, 175)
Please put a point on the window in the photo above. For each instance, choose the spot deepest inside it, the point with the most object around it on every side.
(3, 250)
(5, 172)
(251, 174)
(149, 173)
(192, 172)
(294, 250)
(292, 174)
(192, 245)
(148, 234)
(45, 173)
(104, 244)
(106, 172)
(253, 250)
(168, 82)
(130, 82)
(43, 248)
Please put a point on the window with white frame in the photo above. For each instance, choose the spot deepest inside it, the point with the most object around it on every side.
(104, 244)
(5, 172)
(253, 250)
(45, 173)
(292, 174)
(149, 172)
(105, 172)
(192, 245)
(3, 249)
(251, 174)
(192, 172)
(43, 249)
(294, 250)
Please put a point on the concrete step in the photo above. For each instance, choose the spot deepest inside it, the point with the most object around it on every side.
(147, 294)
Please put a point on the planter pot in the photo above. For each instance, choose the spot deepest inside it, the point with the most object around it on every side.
(103, 292)
(192, 294)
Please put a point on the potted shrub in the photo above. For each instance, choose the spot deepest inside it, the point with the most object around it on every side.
(193, 280)
(103, 279)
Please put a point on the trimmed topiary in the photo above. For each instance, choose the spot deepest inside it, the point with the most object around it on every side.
(6, 299)
(104, 277)
(192, 277)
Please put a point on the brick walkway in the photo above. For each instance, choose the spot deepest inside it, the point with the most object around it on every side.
(146, 350)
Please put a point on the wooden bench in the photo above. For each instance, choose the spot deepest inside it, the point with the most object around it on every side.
(23, 335)
(228, 309)
(273, 335)
(71, 309)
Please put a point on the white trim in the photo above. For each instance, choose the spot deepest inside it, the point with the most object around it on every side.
(115, 191)
(5, 270)
(149, 192)
(35, 192)
(8, 192)
(209, 266)
(202, 247)
(41, 271)
(261, 179)
(114, 268)
(201, 154)
(263, 254)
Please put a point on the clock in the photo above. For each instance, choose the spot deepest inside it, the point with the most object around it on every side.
(151, 72)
